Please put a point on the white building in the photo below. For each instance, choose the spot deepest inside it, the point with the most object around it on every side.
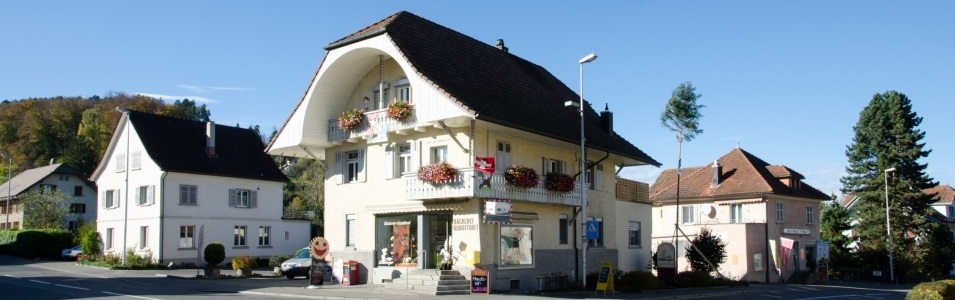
(185, 184)
(67, 179)
(469, 101)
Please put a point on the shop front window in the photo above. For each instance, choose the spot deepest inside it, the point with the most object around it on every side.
(517, 246)
(396, 240)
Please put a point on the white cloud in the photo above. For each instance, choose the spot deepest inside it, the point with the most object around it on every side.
(645, 174)
(207, 89)
(198, 99)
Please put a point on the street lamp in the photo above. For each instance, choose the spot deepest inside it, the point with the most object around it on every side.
(888, 228)
(9, 187)
(583, 161)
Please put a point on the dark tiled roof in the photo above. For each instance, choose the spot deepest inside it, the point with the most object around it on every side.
(743, 174)
(179, 145)
(497, 86)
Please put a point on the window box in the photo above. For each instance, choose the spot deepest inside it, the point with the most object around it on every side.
(350, 119)
(399, 110)
(437, 173)
(521, 176)
(559, 182)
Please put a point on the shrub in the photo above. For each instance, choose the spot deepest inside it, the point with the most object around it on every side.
(33, 243)
(90, 242)
(112, 259)
(942, 289)
(136, 261)
(694, 279)
(637, 281)
(521, 176)
(243, 262)
(276, 260)
(712, 246)
(214, 254)
(559, 182)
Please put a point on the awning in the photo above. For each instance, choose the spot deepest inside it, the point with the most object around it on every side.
(410, 208)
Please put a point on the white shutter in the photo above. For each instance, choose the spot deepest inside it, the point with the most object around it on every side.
(116, 198)
(415, 156)
(599, 176)
(136, 196)
(362, 174)
(151, 194)
(338, 168)
(545, 166)
(390, 171)
(102, 197)
(253, 198)
(232, 198)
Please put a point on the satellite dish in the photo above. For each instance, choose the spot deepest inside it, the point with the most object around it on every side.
(712, 212)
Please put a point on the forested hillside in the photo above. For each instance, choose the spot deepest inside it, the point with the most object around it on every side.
(73, 130)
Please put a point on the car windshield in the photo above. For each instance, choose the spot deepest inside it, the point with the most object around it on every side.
(303, 253)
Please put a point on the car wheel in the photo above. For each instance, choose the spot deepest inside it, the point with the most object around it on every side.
(290, 276)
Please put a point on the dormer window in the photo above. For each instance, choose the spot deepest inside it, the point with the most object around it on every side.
(403, 90)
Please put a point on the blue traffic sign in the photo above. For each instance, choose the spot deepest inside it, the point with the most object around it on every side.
(592, 232)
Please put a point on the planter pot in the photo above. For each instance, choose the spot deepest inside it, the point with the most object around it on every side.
(243, 272)
(277, 270)
(211, 273)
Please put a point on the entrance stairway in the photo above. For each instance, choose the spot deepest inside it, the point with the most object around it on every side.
(433, 282)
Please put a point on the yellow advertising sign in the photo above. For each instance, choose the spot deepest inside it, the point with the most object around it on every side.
(605, 278)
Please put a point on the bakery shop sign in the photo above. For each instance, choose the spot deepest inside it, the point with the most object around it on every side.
(318, 249)
(797, 231)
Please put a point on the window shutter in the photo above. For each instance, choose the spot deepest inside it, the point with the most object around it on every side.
(232, 199)
(253, 199)
(415, 155)
(599, 176)
(545, 167)
(116, 198)
(103, 198)
(136, 196)
(362, 174)
(338, 168)
(390, 171)
(151, 194)
(563, 167)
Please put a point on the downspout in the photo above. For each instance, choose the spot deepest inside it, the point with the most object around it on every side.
(576, 250)
(162, 211)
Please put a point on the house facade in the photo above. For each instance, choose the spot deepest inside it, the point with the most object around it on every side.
(389, 209)
(169, 186)
(944, 200)
(66, 179)
(766, 215)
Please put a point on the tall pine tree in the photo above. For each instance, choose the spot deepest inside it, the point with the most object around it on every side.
(887, 136)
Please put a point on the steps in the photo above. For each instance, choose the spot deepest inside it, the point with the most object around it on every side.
(433, 282)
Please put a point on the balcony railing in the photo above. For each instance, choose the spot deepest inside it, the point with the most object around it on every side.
(376, 122)
(469, 183)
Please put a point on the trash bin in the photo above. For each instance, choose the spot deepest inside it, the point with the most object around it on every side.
(349, 272)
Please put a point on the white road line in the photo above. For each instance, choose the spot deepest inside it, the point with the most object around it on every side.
(134, 296)
(11, 276)
(774, 296)
(72, 287)
(37, 281)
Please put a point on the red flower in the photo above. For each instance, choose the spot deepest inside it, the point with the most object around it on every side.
(559, 182)
(521, 176)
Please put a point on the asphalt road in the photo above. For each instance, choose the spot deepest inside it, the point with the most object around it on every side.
(813, 292)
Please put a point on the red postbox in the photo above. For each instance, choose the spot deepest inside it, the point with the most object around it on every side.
(349, 272)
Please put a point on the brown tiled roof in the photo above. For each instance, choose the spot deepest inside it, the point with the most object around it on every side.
(179, 145)
(780, 171)
(945, 194)
(848, 200)
(743, 174)
(497, 86)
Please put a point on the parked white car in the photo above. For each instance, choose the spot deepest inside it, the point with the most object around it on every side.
(298, 265)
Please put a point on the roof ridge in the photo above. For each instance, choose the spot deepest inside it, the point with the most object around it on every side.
(749, 157)
(667, 188)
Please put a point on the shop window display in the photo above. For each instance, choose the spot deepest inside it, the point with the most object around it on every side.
(517, 245)
(397, 240)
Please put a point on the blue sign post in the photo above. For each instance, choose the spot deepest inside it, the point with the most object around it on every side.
(592, 233)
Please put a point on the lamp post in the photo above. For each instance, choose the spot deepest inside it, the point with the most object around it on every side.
(6, 225)
(125, 170)
(888, 228)
(583, 162)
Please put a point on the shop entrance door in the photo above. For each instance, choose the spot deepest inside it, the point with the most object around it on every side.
(439, 230)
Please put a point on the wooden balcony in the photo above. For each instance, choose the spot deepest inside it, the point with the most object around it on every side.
(376, 125)
(468, 184)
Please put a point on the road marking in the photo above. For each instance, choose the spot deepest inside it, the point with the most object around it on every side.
(134, 296)
(11, 276)
(37, 281)
(774, 296)
(72, 287)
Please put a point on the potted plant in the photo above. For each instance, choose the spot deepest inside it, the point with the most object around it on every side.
(447, 256)
(243, 265)
(437, 173)
(350, 119)
(559, 182)
(276, 262)
(214, 254)
(521, 176)
(399, 110)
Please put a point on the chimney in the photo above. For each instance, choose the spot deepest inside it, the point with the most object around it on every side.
(500, 45)
(606, 119)
(717, 171)
(211, 138)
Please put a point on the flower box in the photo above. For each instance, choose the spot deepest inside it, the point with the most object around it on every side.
(437, 173)
(350, 119)
(559, 182)
(521, 176)
(399, 110)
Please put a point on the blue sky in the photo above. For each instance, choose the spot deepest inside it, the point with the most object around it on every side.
(784, 80)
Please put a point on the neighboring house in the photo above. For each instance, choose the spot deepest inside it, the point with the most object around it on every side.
(469, 100)
(944, 200)
(185, 184)
(754, 207)
(69, 180)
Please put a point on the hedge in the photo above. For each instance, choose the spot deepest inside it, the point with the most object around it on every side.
(33, 243)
